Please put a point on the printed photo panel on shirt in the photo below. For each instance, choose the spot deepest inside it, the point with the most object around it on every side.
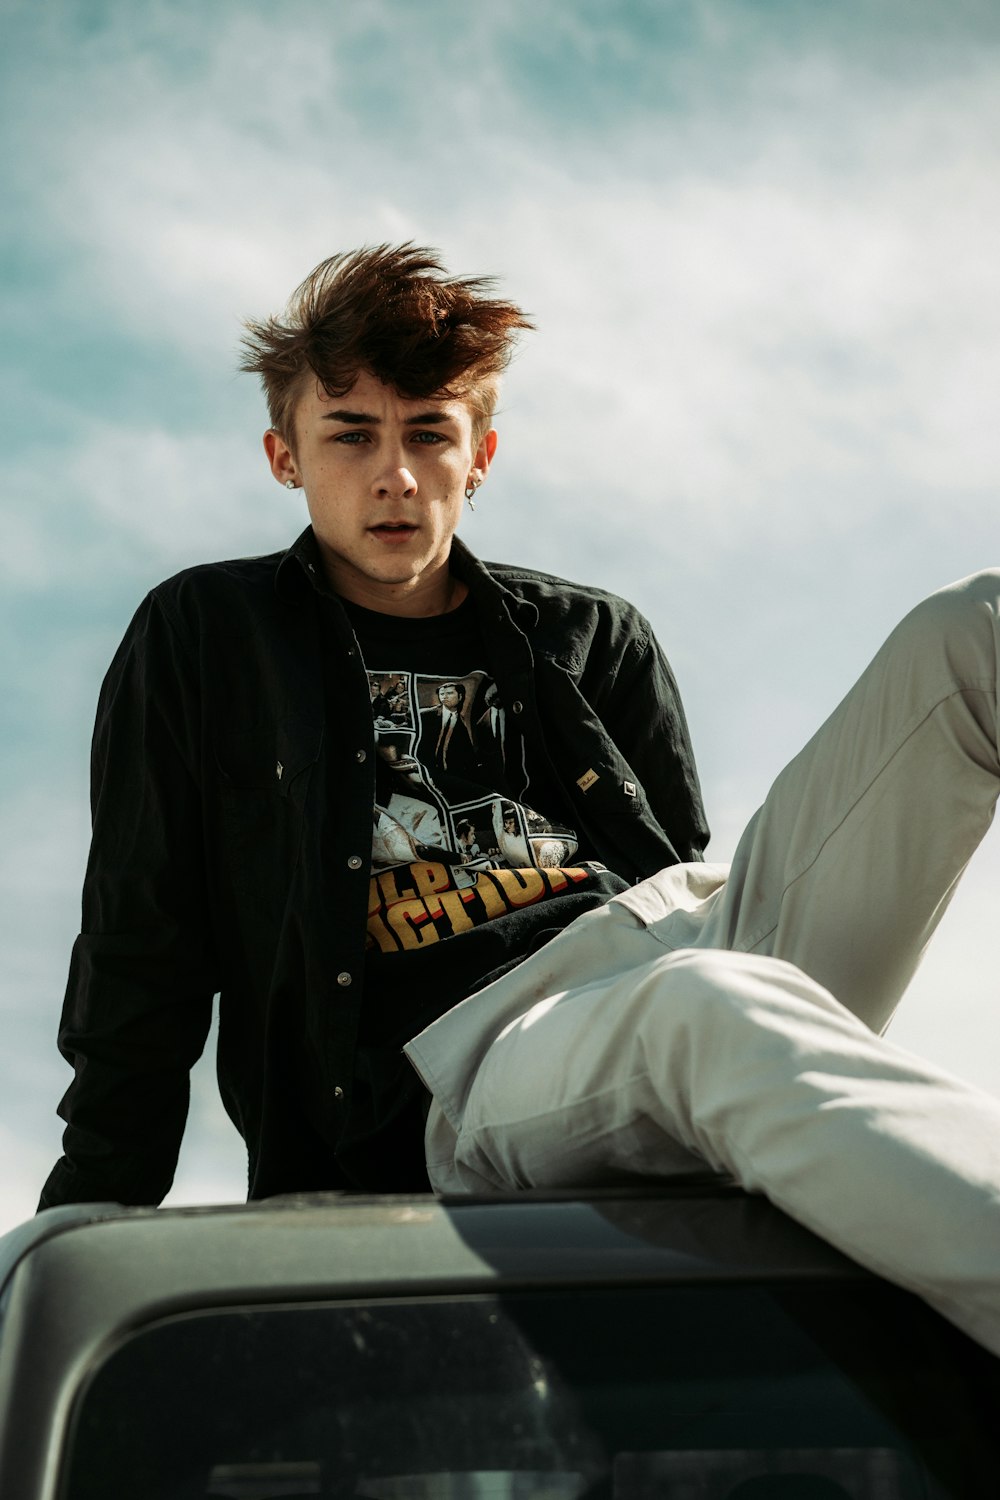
(440, 741)
(392, 706)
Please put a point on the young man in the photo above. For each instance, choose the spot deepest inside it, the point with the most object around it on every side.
(587, 1002)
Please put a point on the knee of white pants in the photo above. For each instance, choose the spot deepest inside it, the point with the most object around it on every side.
(949, 606)
(958, 625)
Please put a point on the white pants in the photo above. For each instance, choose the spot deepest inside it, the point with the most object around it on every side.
(693, 1019)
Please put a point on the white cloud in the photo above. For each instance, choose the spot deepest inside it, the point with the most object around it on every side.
(142, 502)
(762, 336)
(172, 494)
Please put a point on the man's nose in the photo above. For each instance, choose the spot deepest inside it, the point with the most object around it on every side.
(395, 482)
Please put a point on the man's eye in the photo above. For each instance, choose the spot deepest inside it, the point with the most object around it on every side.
(352, 439)
(428, 438)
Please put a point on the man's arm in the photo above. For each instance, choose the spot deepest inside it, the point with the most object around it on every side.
(143, 973)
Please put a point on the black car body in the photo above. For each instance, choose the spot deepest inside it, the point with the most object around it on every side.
(688, 1342)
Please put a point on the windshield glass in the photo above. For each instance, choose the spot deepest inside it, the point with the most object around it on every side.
(687, 1393)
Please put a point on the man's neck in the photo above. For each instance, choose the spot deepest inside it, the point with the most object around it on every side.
(427, 597)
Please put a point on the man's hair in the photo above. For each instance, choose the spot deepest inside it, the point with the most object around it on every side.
(394, 311)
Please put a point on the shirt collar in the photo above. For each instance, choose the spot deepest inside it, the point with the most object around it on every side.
(486, 589)
(302, 563)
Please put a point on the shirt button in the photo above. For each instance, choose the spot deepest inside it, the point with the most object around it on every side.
(352, 651)
(360, 755)
(355, 862)
(338, 1092)
(343, 979)
(516, 706)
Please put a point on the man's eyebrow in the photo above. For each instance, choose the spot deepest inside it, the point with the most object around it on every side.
(434, 417)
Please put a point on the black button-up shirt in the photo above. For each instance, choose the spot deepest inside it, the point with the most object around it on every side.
(232, 789)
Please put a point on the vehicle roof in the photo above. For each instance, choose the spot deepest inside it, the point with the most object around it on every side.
(350, 1244)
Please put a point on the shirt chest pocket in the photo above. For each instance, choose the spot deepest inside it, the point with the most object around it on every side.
(264, 779)
(268, 758)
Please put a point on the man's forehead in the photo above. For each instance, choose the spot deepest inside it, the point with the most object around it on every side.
(372, 398)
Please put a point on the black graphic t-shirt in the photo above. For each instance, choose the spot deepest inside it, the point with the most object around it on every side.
(475, 862)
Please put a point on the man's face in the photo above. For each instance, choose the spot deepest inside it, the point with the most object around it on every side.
(384, 480)
(449, 695)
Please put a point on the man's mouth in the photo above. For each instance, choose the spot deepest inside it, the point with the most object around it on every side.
(393, 531)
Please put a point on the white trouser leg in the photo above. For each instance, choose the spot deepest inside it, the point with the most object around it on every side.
(844, 873)
(746, 1064)
(852, 860)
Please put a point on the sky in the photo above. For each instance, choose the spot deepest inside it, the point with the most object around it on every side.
(761, 243)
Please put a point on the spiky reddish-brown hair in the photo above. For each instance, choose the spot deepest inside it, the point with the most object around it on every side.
(394, 311)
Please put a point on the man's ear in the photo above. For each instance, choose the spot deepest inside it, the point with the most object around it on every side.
(484, 453)
(281, 459)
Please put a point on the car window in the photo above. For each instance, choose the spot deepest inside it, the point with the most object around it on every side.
(686, 1393)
